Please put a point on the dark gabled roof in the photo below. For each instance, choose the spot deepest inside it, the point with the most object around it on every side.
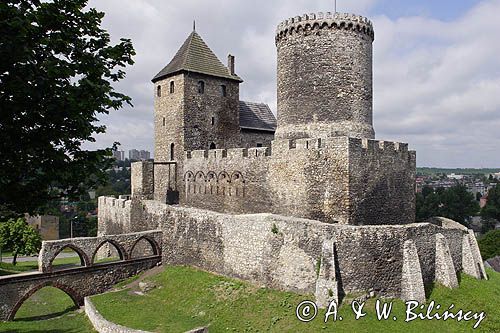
(256, 116)
(195, 56)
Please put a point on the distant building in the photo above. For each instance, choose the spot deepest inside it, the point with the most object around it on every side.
(137, 155)
(145, 155)
(46, 225)
(119, 155)
(134, 154)
(454, 176)
(477, 187)
(483, 201)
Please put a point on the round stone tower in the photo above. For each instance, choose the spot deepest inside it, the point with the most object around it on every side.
(325, 76)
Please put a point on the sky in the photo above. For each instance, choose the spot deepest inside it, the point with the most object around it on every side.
(436, 66)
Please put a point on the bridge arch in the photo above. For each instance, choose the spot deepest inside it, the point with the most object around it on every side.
(75, 296)
(152, 242)
(121, 251)
(84, 259)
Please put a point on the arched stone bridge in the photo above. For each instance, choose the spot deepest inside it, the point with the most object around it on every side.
(87, 247)
(78, 283)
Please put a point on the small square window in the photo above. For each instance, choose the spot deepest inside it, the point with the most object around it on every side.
(259, 145)
(201, 87)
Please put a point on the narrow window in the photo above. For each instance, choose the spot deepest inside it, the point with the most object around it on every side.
(259, 145)
(213, 121)
(171, 151)
(223, 90)
(172, 87)
(212, 146)
(163, 121)
(201, 87)
(158, 91)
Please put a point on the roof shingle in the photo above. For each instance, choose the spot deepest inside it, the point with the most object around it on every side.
(195, 56)
(256, 116)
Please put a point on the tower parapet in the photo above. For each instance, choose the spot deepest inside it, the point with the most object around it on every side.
(321, 20)
(325, 76)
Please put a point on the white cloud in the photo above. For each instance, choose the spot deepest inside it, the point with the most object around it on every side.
(436, 83)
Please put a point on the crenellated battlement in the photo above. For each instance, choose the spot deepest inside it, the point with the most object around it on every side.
(321, 20)
(216, 154)
(113, 202)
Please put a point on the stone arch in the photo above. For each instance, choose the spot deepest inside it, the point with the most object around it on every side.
(84, 259)
(154, 245)
(73, 294)
(200, 181)
(189, 182)
(238, 184)
(121, 251)
(211, 182)
(224, 183)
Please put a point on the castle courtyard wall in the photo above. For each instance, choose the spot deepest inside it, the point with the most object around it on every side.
(335, 180)
(283, 252)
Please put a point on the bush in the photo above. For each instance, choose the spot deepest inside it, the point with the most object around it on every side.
(489, 244)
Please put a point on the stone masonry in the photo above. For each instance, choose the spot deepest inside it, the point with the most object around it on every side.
(323, 208)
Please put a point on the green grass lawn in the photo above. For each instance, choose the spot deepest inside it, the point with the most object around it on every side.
(189, 298)
(26, 266)
(48, 310)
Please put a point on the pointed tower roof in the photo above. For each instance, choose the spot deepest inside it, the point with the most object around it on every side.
(195, 56)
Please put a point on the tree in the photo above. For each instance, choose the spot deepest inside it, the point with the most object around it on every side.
(56, 77)
(458, 204)
(20, 238)
(489, 244)
(454, 203)
(490, 213)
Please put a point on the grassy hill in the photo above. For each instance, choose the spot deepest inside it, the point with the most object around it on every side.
(185, 298)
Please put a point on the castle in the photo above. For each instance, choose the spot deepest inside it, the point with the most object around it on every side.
(310, 202)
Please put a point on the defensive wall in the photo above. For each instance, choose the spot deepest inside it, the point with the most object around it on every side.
(335, 180)
(288, 253)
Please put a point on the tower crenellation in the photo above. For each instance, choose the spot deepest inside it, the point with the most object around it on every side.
(321, 20)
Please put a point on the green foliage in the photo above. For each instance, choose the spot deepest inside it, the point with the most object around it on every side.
(467, 171)
(47, 303)
(27, 266)
(454, 203)
(489, 244)
(318, 266)
(274, 229)
(56, 76)
(491, 212)
(20, 237)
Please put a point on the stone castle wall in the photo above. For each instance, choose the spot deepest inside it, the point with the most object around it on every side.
(336, 180)
(284, 252)
(252, 138)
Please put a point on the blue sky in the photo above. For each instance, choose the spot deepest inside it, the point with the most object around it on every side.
(436, 67)
(445, 10)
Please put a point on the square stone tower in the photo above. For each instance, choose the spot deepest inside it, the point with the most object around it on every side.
(196, 107)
